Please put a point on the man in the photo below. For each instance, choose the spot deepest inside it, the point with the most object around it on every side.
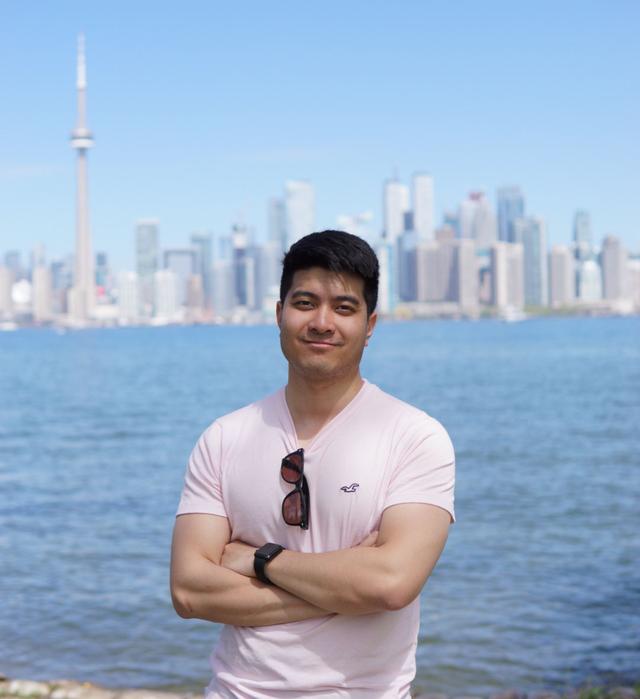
(311, 519)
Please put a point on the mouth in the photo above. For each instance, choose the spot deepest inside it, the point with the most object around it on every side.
(320, 343)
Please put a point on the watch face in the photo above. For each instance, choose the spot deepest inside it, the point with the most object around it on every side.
(268, 550)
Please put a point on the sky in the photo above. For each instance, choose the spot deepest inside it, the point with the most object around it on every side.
(202, 110)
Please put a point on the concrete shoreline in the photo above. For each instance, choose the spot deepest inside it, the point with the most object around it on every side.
(70, 689)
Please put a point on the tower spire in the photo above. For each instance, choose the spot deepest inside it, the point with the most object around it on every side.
(82, 295)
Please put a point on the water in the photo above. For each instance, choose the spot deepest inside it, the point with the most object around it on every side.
(539, 585)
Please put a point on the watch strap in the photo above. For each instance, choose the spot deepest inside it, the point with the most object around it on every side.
(261, 557)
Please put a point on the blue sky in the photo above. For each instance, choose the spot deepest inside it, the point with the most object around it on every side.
(201, 111)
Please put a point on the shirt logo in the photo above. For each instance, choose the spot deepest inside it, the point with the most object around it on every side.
(350, 488)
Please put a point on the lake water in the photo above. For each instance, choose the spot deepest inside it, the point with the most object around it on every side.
(539, 585)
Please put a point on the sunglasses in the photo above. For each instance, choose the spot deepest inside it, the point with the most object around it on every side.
(295, 506)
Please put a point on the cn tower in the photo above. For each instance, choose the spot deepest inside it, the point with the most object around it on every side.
(82, 295)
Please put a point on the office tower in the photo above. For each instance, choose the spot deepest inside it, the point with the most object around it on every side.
(444, 233)
(582, 236)
(268, 272)
(531, 232)
(181, 261)
(423, 206)
(7, 277)
(300, 209)
(61, 280)
(431, 277)
(467, 276)
(224, 300)
(507, 275)
(510, 207)
(406, 252)
(168, 295)
(203, 247)
(477, 220)
(395, 206)
(242, 265)
(147, 254)
(128, 297)
(195, 296)
(42, 294)
(82, 294)
(562, 276)
(277, 222)
(386, 285)
(633, 276)
(615, 261)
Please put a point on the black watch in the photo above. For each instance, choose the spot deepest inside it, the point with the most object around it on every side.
(262, 556)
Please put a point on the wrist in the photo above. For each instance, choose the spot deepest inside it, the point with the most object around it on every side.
(262, 557)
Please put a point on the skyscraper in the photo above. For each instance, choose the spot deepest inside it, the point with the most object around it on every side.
(395, 206)
(181, 261)
(423, 206)
(477, 220)
(82, 294)
(147, 252)
(582, 237)
(507, 275)
(300, 209)
(562, 288)
(615, 261)
(510, 207)
(203, 248)
(531, 232)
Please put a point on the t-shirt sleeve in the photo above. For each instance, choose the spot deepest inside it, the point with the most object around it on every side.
(425, 472)
(202, 491)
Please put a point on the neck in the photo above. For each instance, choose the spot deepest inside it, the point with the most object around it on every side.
(318, 400)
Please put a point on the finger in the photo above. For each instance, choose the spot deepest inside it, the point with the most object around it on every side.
(370, 539)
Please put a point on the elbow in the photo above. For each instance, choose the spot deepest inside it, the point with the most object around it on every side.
(396, 595)
(181, 603)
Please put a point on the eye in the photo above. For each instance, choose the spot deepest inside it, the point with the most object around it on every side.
(345, 309)
(302, 303)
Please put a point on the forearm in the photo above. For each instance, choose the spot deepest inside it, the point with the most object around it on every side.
(214, 593)
(359, 580)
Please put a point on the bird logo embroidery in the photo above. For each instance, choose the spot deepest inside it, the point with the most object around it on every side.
(350, 488)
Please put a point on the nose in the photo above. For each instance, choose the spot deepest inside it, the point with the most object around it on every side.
(321, 322)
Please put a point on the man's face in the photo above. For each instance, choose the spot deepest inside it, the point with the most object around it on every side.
(323, 323)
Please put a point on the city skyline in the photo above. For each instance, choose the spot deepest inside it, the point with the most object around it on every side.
(169, 150)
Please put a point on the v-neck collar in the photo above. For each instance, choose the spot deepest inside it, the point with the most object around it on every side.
(291, 428)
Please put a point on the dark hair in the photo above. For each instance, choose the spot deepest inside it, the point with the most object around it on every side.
(338, 252)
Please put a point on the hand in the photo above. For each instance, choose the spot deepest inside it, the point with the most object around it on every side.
(238, 556)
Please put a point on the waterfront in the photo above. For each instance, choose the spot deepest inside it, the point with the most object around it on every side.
(539, 585)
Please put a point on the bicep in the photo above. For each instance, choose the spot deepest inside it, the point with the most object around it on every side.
(197, 537)
(413, 535)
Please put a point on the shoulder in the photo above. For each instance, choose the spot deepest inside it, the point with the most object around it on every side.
(239, 422)
(402, 414)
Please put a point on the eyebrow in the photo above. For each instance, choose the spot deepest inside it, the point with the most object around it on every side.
(342, 297)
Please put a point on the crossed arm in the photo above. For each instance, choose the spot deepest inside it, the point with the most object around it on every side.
(212, 577)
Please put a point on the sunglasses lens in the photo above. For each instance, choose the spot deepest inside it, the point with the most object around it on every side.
(292, 508)
(291, 468)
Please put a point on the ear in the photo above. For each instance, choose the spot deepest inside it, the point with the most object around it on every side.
(278, 313)
(371, 324)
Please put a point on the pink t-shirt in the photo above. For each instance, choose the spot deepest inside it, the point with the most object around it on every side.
(377, 452)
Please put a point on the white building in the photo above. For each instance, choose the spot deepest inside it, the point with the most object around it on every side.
(507, 275)
(167, 300)
(128, 297)
(6, 282)
(531, 232)
(42, 294)
(561, 276)
(423, 206)
(300, 209)
(395, 207)
(615, 261)
(477, 220)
